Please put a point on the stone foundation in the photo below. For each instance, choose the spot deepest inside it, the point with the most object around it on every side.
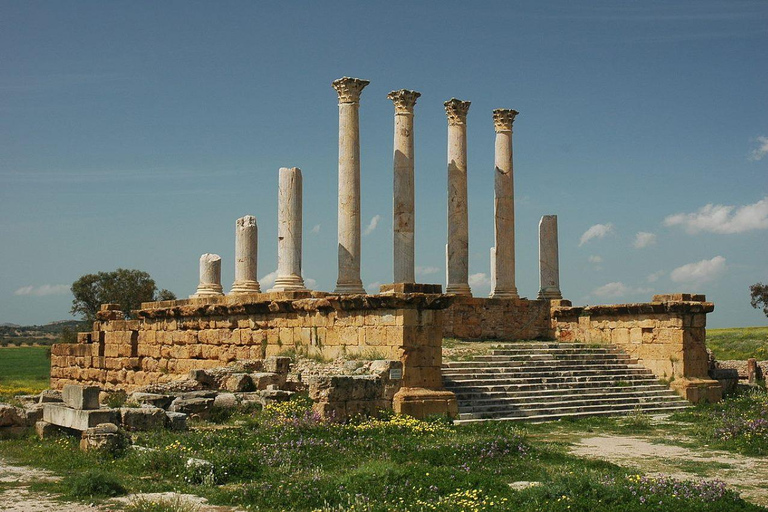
(666, 335)
(475, 318)
(167, 339)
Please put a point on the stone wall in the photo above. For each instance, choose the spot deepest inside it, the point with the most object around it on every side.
(666, 335)
(170, 338)
(475, 318)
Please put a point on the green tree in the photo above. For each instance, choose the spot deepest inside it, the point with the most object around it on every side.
(128, 288)
(759, 292)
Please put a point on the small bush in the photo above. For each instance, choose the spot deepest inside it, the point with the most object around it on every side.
(94, 484)
(175, 504)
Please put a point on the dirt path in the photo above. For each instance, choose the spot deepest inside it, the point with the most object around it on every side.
(747, 475)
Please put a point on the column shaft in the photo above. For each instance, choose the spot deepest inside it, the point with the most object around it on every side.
(246, 254)
(549, 264)
(504, 208)
(403, 197)
(457, 248)
(210, 276)
(349, 90)
(289, 225)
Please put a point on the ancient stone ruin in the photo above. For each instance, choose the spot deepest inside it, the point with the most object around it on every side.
(406, 321)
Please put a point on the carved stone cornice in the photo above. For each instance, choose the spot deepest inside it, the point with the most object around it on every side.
(404, 100)
(456, 110)
(349, 89)
(503, 119)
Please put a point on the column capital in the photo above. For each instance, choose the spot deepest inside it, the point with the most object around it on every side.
(349, 89)
(456, 110)
(404, 100)
(503, 119)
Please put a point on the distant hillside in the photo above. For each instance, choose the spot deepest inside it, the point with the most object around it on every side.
(42, 334)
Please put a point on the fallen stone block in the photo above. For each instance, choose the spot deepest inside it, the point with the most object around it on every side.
(226, 401)
(175, 421)
(81, 397)
(262, 380)
(33, 414)
(11, 416)
(155, 399)
(239, 382)
(106, 437)
(277, 364)
(46, 430)
(142, 418)
(63, 416)
(203, 377)
(28, 399)
(206, 393)
(50, 396)
(199, 407)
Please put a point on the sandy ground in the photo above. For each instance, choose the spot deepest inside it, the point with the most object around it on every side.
(747, 475)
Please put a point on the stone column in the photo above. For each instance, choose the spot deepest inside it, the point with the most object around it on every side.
(349, 90)
(246, 251)
(549, 265)
(503, 262)
(403, 211)
(210, 276)
(457, 249)
(289, 231)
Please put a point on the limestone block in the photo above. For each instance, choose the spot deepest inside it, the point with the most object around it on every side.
(239, 382)
(63, 416)
(106, 437)
(32, 414)
(50, 396)
(279, 365)
(226, 401)
(11, 416)
(154, 399)
(200, 407)
(263, 379)
(81, 397)
(142, 418)
(176, 421)
(46, 430)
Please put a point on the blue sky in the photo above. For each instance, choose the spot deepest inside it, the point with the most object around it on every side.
(134, 134)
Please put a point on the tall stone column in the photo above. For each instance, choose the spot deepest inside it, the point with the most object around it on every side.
(289, 231)
(549, 265)
(503, 257)
(210, 276)
(246, 254)
(349, 90)
(457, 249)
(403, 211)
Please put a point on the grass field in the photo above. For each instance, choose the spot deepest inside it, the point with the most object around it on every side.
(23, 370)
(739, 343)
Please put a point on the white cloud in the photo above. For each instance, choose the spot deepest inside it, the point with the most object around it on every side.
(43, 290)
(595, 259)
(427, 270)
(596, 231)
(268, 281)
(372, 225)
(315, 229)
(373, 287)
(699, 272)
(652, 278)
(761, 150)
(310, 283)
(643, 239)
(724, 219)
(480, 279)
(616, 289)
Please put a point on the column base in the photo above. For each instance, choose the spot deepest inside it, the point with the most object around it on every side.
(422, 402)
(350, 288)
(288, 283)
(504, 294)
(208, 290)
(550, 294)
(459, 289)
(244, 287)
(698, 390)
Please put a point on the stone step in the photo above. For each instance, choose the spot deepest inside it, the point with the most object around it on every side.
(561, 414)
(575, 374)
(533, 363)
(487, 392)
(556, 402)
(522, 398)
(512, 412)
(539, 357)
(539, 368)
(516, 387)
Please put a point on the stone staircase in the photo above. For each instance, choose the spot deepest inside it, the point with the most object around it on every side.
(548, 381)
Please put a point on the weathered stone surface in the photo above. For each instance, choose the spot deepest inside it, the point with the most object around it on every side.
(11, 416)
(549, 263)
(200, 407)
(105, 437)
(210, 276)
(239, 382)
(175, 421)
(155, 399)
(226, 401)
(46, 430)
(246, 256)
(33, 414)
(81, 397)
(457, 247)
(262, 380)
(63, 416)
(277, 364)
(142, 418)
(728, 379)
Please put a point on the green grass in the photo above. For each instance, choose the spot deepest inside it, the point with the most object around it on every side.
(23, 370)
(284, 458)
(739, 343)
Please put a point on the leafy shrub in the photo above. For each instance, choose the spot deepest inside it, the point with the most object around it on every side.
(94, 484)
(175, 504)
